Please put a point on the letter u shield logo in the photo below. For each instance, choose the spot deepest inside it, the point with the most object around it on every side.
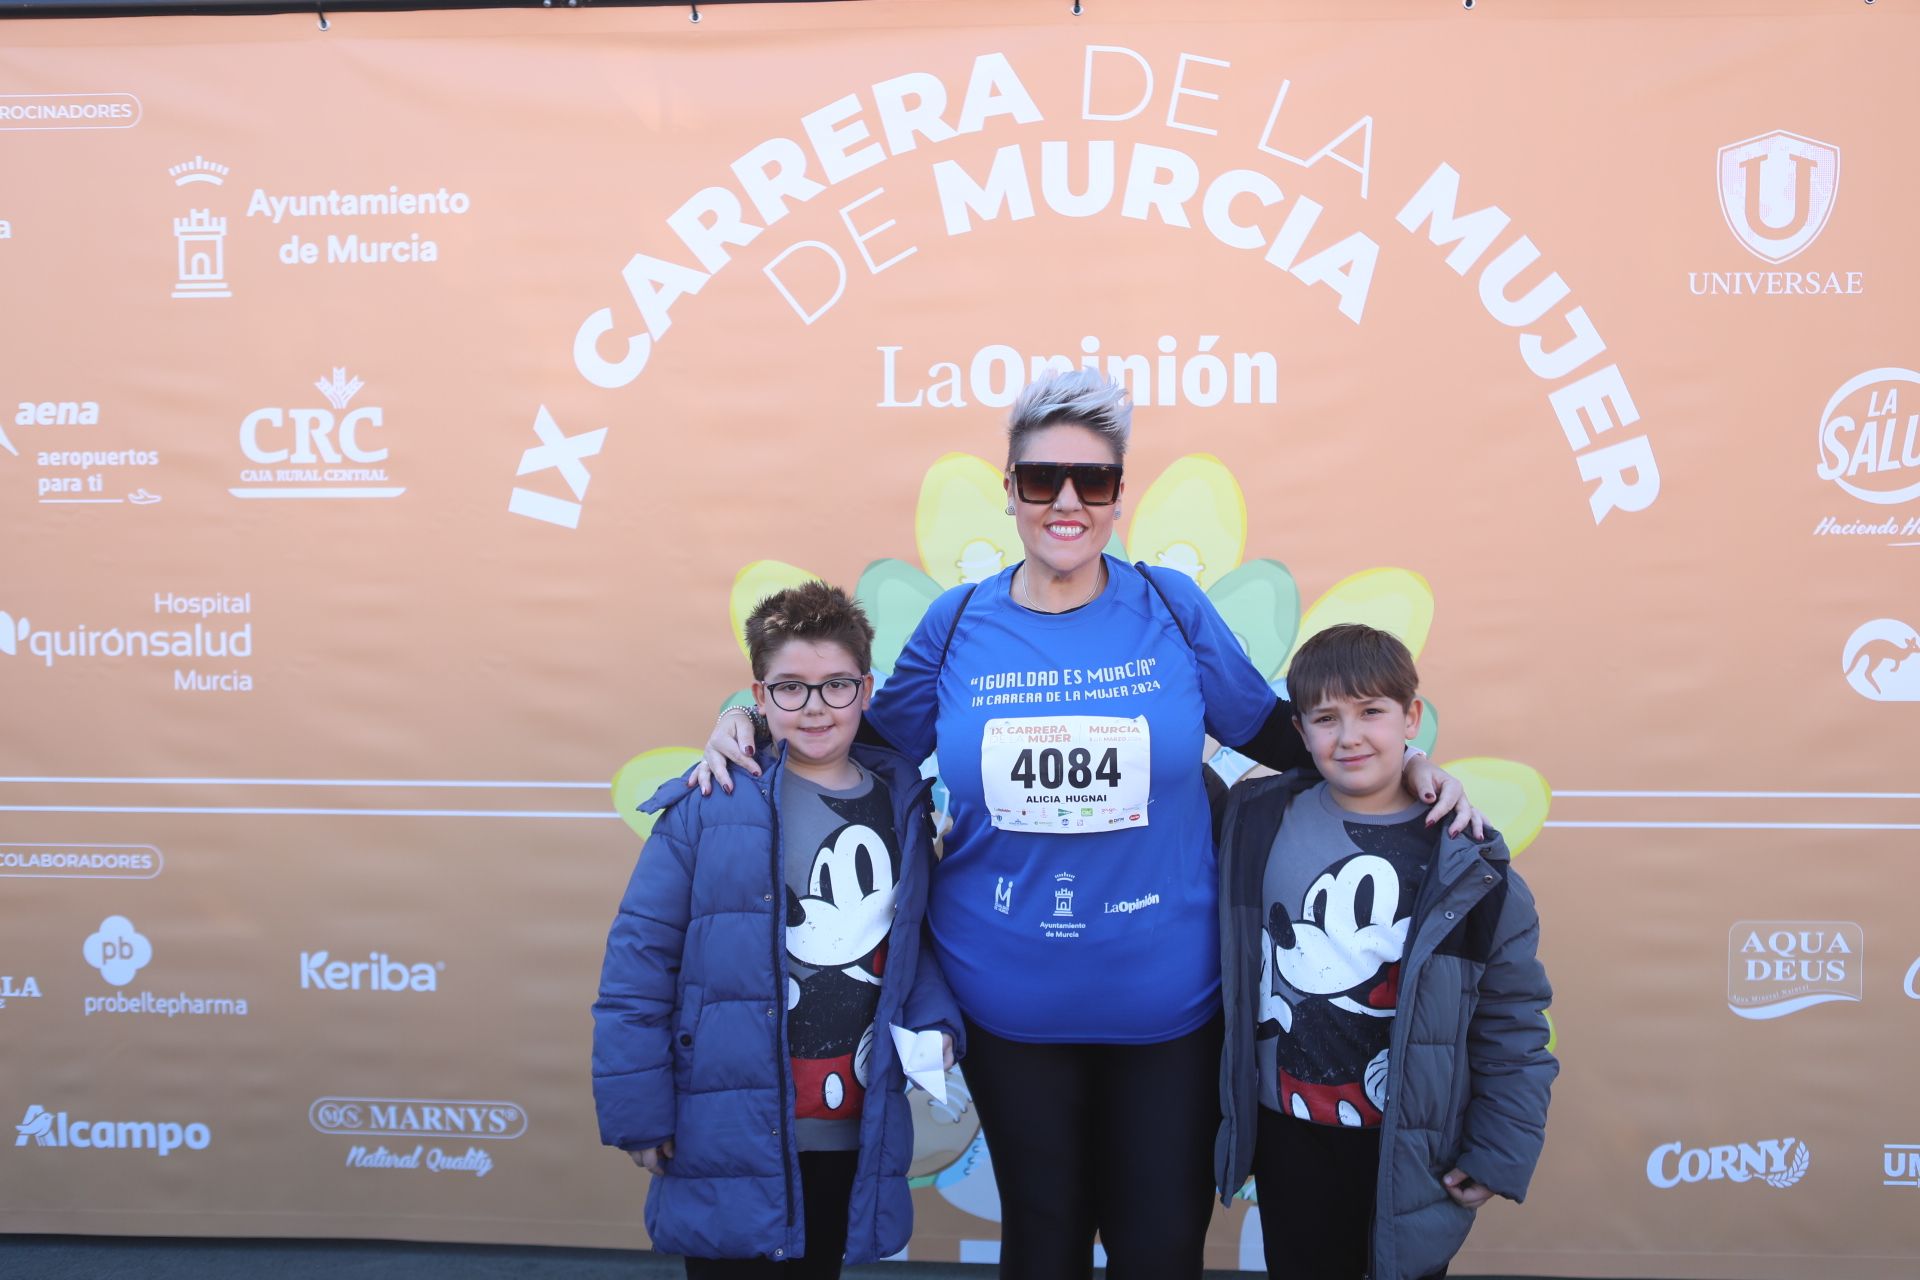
(1777, 191)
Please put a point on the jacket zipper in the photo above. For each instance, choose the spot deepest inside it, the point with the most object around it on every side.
(782, 1069)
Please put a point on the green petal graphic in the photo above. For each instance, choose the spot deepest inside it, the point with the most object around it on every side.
(1261, 603)
(895, 595)
(641, 776)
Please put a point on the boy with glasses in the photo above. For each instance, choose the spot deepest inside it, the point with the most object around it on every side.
(766, 948)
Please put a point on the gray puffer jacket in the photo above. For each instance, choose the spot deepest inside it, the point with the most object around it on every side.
(1468, 1072)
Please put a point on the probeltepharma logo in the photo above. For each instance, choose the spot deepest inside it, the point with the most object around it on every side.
(425, 1120)
(43, 1128)
(18, 988)
(119, 951)
(332, 453)
(1778, 1162)
(1778, 967)
(1881, 661)
(319, 971)
(211, 640)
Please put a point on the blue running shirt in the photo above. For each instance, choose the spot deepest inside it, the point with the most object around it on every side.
(1077, 900)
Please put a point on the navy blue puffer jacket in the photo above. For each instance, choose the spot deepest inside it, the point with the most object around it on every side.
(690, 1030)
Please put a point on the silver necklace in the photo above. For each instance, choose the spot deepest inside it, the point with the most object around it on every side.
(1099, 581)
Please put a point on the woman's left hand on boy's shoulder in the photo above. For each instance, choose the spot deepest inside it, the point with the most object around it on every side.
(946, 1049)
(1466, 1193)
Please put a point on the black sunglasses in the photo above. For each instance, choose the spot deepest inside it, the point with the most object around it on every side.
(1097, 483)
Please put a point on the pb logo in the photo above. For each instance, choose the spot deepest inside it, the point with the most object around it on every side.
(1777, 191)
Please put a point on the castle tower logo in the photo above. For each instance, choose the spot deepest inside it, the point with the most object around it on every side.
(203, 269)
(1882, 661)
(1777, 192)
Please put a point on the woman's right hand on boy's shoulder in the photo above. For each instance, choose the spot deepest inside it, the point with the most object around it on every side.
(731, 740)
(652, 1159)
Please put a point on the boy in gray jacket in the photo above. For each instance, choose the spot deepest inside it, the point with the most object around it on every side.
(1386, 1068)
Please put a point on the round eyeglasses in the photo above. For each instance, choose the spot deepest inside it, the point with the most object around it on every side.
(792, 695)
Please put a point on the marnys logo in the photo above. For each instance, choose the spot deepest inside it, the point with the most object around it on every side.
(1882, 661)
(197, 641)
(1778, 967)
(12, 988)
(378, 972)
(324, 457)
(43, 1128)
(119, 951)
(419, 1118)
(1778, 1162)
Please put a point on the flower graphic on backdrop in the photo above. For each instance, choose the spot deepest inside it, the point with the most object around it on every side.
(1192, 517)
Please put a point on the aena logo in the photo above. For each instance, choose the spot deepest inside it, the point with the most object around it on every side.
(117, 950)
(378, 972)
(43, 1128)
(1868, 445)
(1778, 1162)
(1777, 191)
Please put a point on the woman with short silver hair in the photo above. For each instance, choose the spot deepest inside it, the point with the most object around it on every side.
(1075, 912)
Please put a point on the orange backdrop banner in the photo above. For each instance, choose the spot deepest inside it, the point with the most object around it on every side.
(400, 417)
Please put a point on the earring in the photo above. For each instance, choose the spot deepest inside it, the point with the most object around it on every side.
(1009, 506)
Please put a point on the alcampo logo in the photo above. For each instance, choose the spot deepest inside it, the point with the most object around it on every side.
(419, 1118)
(117, 950)
(1778, 967)
(378, 972)
(43, 1128)
(1777, 191)
(1778, 1162)
(1882, 661)
(330, 453)
(1868, 446)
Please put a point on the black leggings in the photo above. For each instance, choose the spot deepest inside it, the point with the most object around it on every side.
(1108, 1138)
(826, 1190)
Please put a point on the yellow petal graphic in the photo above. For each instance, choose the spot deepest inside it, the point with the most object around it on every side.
(755, 583)
(1553, 1032)
(1514, 797)
(641, 776)
(961, 525)
(1394, 600)
(1192, 518)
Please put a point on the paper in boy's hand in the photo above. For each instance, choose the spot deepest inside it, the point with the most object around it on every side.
(923, 1057)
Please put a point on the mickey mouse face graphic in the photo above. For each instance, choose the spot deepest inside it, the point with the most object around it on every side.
(848, 907)
(1347, 943)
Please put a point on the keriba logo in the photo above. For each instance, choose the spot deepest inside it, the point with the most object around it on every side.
(1777, 191)
(378, 972)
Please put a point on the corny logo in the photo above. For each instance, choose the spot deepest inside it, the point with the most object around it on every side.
(1778, 1162)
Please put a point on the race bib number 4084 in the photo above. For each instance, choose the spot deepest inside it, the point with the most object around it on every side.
(1066, 774)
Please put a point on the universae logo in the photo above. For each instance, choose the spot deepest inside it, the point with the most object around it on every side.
(1777, 191)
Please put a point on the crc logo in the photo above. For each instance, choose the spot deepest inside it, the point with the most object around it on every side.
(1777, 192)
(117, 950)
(378, 972)
(314, 452)
(418, 1118)
(1778, 1162)
(1778, 967)
(1882, 661)
(1867, 445)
